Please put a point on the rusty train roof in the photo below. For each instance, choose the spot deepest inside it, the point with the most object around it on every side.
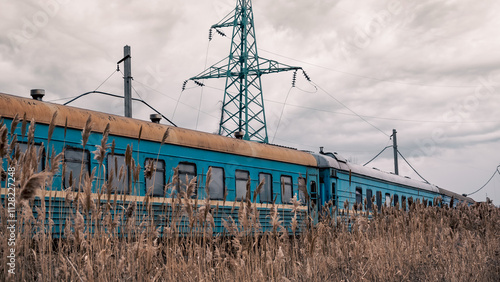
(42, 112)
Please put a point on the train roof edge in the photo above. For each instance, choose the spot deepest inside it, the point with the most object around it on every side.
(42, 112)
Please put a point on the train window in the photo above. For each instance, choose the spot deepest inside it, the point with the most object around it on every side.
(286, 189)
(76, 160)
(369, 195)
(430, 203)
(217, 184)
(334, 197)
(116, 165)
(266, 193)
(359, 195)
(314, 193)
(187, 171)
(387, 199)
(302, 188)
(155, 184)
(379, 200)
(241, 177)
(396, 200)
(403, 202)
(23, 147)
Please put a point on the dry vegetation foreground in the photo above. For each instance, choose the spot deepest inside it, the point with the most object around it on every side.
(425, 244)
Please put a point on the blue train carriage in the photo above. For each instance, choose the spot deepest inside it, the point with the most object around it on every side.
(342, 181)
(232, 162)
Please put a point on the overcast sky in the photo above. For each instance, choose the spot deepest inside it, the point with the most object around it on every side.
(429, 69)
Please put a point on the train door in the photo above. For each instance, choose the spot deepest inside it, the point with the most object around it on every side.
(314, 194)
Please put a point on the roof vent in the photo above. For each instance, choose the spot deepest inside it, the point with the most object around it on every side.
(155, 118)
(37, 94)
(239, 134)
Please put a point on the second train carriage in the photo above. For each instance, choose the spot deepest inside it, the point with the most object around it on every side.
(327, 177)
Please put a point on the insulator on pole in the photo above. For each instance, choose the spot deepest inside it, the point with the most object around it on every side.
(184, 85)
(220, 32)
(294, 78)
(199, 83)
(210, 35)
(306, 76)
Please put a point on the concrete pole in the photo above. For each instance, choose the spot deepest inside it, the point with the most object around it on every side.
(128, 81)
(395, 147)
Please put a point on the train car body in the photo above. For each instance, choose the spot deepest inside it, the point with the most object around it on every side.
(180, 155)
(233, 162)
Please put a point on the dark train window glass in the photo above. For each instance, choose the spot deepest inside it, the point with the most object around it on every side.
(396, 200)
(387, 199)
(217, 184)
(314, 193)
(241, 177)
(266, 193)
(403, 202)
(286, 189)
(76, 160)
(187, 171)
(334, 196)
(379, 200)
(117, 166)
(359, 195)
(369, 195)
(430, 203)
(302, 187)
(156, 184)
(23, 147)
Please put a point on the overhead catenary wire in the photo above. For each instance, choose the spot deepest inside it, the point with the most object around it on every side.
(377, 155)
(413, 167)
(487, 182)
(352, 111)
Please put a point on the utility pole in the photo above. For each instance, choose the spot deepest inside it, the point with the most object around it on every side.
(127, 80)
(395, 147)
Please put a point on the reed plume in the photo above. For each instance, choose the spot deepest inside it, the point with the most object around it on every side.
(23, 125)
(13, 125)
(86, 131)
(51, 127)
(35, 182)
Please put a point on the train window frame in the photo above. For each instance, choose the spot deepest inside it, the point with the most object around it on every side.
(162, 171)
(286, 198)
(182, 172)
(86, 164)
(126, 178)
(314, 201)
(333, 194)
(369, 195)
(212, 183)
(359, 195)
(379, 200)
(301, 181)
(388, 201)
(267, 188)
(38, 145)
(241, 182)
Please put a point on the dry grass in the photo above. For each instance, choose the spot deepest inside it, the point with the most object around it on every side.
(424, 244)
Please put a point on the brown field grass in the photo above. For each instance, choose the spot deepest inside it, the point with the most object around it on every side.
(422, 244)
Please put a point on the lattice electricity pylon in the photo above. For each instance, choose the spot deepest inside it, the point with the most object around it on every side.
(242, 113)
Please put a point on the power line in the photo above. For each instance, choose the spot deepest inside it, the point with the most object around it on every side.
(372, 78)
(377, 155)
(496, 171)
(412, 167)
(352, 111)
(114, 71)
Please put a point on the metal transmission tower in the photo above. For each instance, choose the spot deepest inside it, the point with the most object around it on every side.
(243, 105)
